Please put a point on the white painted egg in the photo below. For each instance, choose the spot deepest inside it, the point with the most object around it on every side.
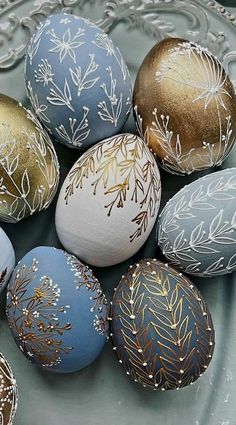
(7, 259)
(197, 227)
(109, 201)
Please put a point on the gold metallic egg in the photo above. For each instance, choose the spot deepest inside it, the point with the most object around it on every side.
(185, 106)
(8, 393)
(29, 170)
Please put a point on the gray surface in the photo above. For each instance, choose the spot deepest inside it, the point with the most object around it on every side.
(102, 392)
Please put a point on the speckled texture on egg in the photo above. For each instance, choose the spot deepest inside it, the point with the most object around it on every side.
(56, 310)
(7, 259)
(109, 201)
(197, 227)
(77, 81)
(161, 327)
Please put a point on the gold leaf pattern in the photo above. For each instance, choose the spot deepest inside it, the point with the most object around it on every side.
(34, 320)
(126, 160)
(162, 329)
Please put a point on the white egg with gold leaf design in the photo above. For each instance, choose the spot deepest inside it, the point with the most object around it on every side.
(109, 201)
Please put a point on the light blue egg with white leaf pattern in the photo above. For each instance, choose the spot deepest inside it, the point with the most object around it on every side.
(197, 227)
(77, 81)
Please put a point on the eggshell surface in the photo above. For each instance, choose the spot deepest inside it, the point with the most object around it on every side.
(197, 227)
(29, 169)
(77, 81)
(185, 106)
(109, 201)
(161, 327)
(56, 310)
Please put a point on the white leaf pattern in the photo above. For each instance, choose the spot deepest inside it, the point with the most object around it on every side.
(111, 112)
(201, 247)
(210, 83)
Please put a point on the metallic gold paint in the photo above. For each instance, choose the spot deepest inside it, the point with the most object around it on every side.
(186, 83)
(29, 170)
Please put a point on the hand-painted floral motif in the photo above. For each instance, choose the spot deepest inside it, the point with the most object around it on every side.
(190, 82)
(77, 81)
(85, 278)
(121, 157)
(56, 310)
(21, 193)
(38, 320)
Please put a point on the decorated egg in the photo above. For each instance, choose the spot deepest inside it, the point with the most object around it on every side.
(7, 259)
(185, 106)
(161, 327)
(197, 227)
(109, 201)
(77, 81)
(8, 393)
(56, 310)
(29, 171)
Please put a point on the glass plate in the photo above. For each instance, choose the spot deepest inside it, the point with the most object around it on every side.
(102, 392)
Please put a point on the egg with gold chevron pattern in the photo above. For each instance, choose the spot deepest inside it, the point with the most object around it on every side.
(161, 327)
(8, 393)
(109, 201)
(56, 310)
(185, 106)
(7, 259)
(29, 170)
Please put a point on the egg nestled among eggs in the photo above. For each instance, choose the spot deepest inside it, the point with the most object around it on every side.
(109, 201)
(77, 81)
(56, 310)
(185, 106)
(161, 327)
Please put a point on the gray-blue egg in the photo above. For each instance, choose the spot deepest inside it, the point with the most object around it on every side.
(77, 81)
(56, 310)
(197, 227)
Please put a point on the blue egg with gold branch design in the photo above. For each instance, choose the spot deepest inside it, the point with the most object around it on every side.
(56, 310)
(77, 81)
(161, 327)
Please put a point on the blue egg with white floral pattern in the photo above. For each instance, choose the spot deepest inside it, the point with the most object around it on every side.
(77, 81)
(56, 310)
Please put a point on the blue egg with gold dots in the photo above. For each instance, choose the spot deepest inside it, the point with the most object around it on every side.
(56, 310)
(161, 327)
